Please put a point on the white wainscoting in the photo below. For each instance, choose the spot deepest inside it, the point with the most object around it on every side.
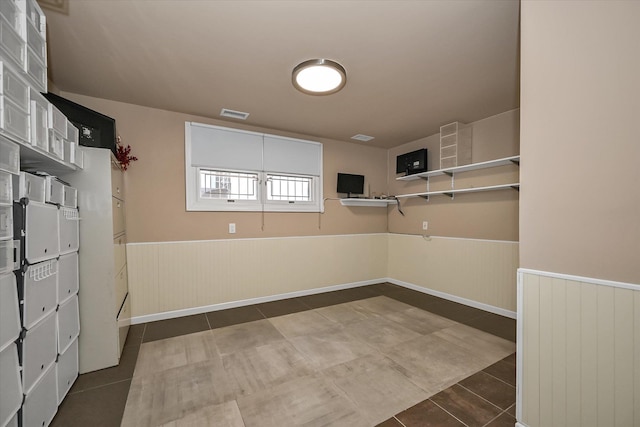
(481, 273)
(172, 279)
(578, 351)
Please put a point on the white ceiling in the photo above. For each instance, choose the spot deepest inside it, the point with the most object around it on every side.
(412, 65)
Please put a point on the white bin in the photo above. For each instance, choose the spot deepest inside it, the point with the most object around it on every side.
(67, 370)
(41, 403)
(68, 225)
(39, 351)
(68, 323)
(67, 276)
(41, 232)
(9, 311)
(11, 390)
(6, 188)
(29, 186)
(40, 292)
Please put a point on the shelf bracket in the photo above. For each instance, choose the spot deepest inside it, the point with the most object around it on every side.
(452, 195)
(425, 197)
(516, 162)
(516, 188)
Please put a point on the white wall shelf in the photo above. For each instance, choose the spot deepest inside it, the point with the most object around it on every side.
(452, 192)
(465, 168)
(368, 202)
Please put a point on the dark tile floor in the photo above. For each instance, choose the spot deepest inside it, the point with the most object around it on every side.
(486, 398)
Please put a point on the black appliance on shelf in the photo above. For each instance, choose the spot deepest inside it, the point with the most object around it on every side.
(413, 162)
(96, 129)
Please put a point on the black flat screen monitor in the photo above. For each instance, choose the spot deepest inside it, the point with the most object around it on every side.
(350, 184)
(413, 162)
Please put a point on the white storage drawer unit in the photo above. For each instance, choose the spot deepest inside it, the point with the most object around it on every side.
(69, 197)
(67, 369)
(40, 224)
(7, 257)
(39, 121)
(39, 351)
(14, 120)
(57, 121)
(13, 87)
(9, 311)
(12, 46)
(54, 191)
(39, 291)
(67, 276)
(68, 323)
(6, 222)
(56, 144)
(13, 15)
(9, 156)
(11, 390)
(6, 188)
(69, 230)
(29, 186)
(41, 403)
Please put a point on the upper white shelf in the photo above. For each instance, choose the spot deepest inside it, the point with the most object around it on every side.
(464, 168)
(368, 202)
(451, 192)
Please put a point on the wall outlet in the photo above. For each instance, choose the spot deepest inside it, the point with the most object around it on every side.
(232, 228)
(425, 225)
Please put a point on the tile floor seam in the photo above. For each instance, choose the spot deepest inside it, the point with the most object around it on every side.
(483, 398)
(435, 403)
(401, 423)
(101, 385)
(493, 376)
(496, 417)
(208, 323)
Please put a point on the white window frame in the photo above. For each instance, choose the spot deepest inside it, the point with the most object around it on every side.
(196, 203)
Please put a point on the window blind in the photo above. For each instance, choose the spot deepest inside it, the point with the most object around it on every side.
(286, 155)
(213, 147)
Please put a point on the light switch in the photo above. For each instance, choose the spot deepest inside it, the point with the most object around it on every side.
(232, 228)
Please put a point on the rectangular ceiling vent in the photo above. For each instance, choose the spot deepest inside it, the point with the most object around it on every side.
(232, 114)
(361, 137)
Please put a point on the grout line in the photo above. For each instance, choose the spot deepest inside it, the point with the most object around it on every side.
(483, 398)
(401, 423)
(449, 412)
(208, 323)
(499, 379)
(101, 385)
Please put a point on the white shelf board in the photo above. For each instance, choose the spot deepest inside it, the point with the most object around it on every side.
(464, 168)
(368, 202)
(462, 190)
(35, 160)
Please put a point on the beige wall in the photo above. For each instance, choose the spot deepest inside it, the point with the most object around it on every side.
(580, 92)
(579, 214)
(175, 276)
(491, 215)
(156, 189)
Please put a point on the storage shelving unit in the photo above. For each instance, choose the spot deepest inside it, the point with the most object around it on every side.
(515, 160)
(368, 202)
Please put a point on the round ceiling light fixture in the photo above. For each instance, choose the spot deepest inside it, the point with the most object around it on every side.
(319, 77)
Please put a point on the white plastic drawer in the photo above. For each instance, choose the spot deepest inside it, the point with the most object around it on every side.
(39, 351)
(68, 323)
(14, 88)
(36, 16)
(69, 229)
(118, 216)
(41, 237)
(40, 292)
(39, 121)
(56, 144)
(68, 278)
(9, 156)
(54, 191)
(9, 310)
(6, 256)
(6, 222)
(57, 121)
(79, 159)
(11, 390)
(12, 44)
(449, 151)
(70, 197)
(10, 12)
(119, 252)
(122, 288)
(449, 140)
(73, 133)
(36, 41)
(36, 70)
(29, 186)
(6, 188)
(15, 121)
(70, 150)
(41, 403)
(67, 370)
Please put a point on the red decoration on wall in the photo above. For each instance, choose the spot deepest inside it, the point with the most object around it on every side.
(123, 154)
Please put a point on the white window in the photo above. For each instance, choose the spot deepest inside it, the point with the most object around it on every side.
(231, 170)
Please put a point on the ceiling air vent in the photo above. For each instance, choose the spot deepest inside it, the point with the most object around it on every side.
(361, 137)
(232, 114)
